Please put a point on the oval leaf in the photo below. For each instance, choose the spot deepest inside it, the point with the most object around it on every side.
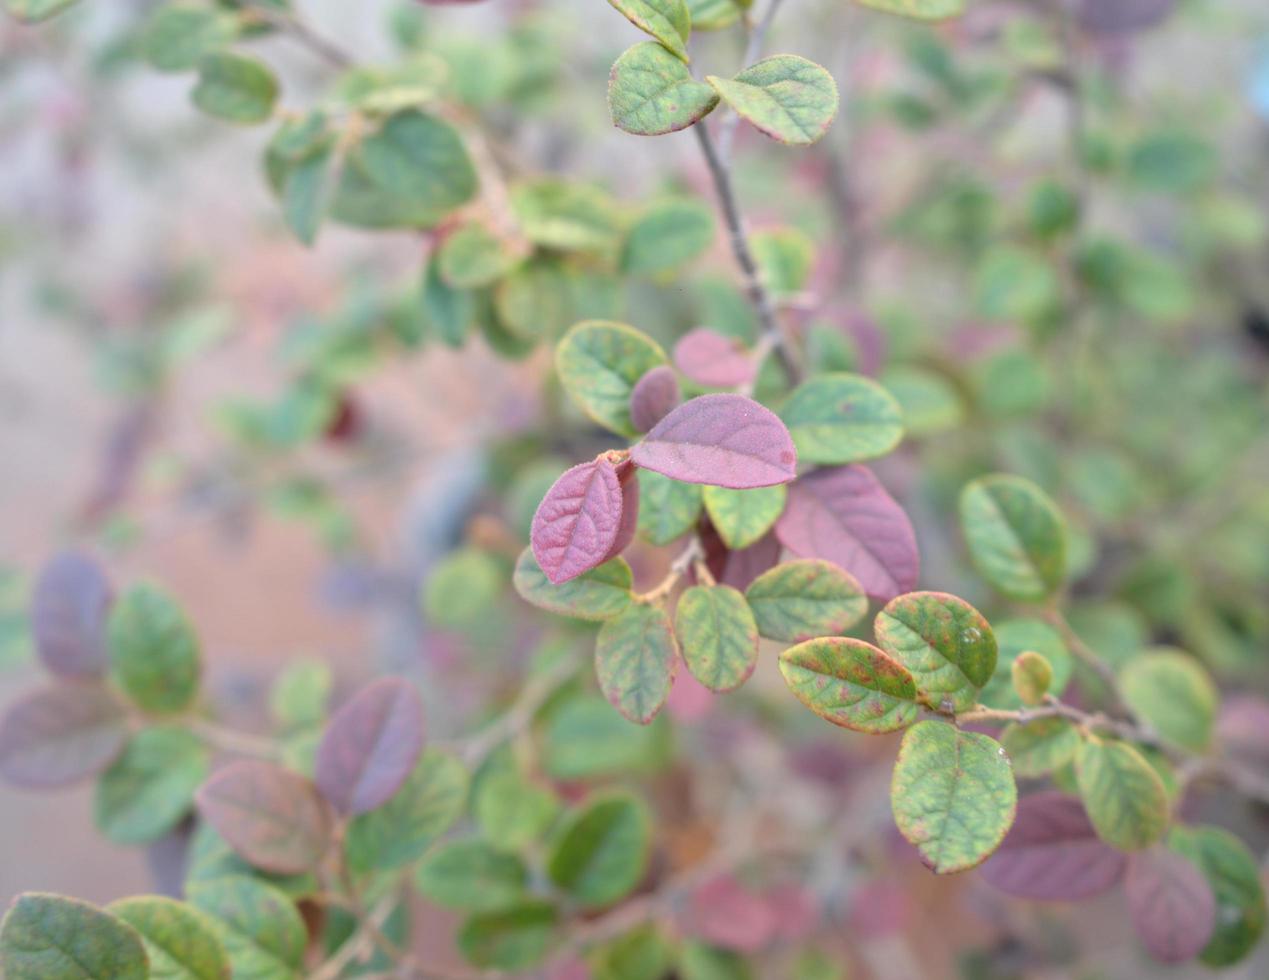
(515, 939)
(1232, 872)
(602, 852)
(268, 814)
(851, 683)
(235, 88)
(806, 598)
(180, 941)
(945, 642)
(721, 440)
(666, 236)
(1052, 853)
(471, 875)
(259, 926)
(651, 92)
(845, 516)
(1015, 535)
(61, 735)
(788, 98)
(599, 594)
(49, 937)
(842, 418)
(599, 363)
(1040, 746)
(69, 607)
(1172, 906)
(655, 395)
(635, 657)
(717, 635)
(1015, 637)
(669, 21)
(953, 795)
(370, 746)
(713, 360)
(151, 786)
(1171, 691)
(1124, 796)
(743, 517)
(670, 508)
(153, 650)
(576, 524)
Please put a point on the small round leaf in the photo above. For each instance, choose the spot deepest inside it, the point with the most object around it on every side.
(151, 786)
(180, 941)
(786, 97)
(1016, 536)
(599, 363)
(1124, 796)
(599, 594)
(743, 517)
(851, 683)
(153, 650)
(49, 937)
(651, 92)
(717, 635)
(60, 735)
(842, 418)
(635, 657)
(805, 598)
(602, 852)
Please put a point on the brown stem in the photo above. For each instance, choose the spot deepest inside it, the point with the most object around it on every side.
(694, 552)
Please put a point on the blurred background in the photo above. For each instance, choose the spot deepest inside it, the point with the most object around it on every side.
(157, 319)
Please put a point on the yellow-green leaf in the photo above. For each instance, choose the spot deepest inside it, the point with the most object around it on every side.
(851, 684)
(1015, 535)
(786, 97)
(741, 517)
(717, 635)
(1124, 796)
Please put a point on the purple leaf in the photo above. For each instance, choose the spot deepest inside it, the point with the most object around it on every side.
(68, 616)
(1122, 16)
(712, 360)
(1052, 853)
(578, 520)
(654, 396)
(627, 478)
(745, 565)
(371, 746)
(1171, 904)
(1241, 728)
(844, 515)
(270, 816)
(720, 440)
(60, 735)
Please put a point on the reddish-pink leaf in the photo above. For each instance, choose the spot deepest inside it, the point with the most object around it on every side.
(654, 396)
(721, 440)
(844, 515)
(60, 735)
(1171, 904)
(272, 817)
(1241, 728)
(1052, 853)
(578, 520)
(712, 360)
(371, 746)
(725, 913)
(627, 478)
(68, 616)
(795, 911)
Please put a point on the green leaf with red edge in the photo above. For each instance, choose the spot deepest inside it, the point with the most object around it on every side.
(945, 642)
(61, 734)
(851, 684)
(788, 98)
(180, 941)
(601, 853)
(717, 635)
(669, 21)
(742, 517)
(635, 657)
(953, 795)
(269, 815)
(50, 937)
(1125, 798)
(651, 92)
(919, 9)
(1232, 871)
(598, 594)
(842, 418)
(260, 927)
(805, 598)
(599, 362)
(1016, 536)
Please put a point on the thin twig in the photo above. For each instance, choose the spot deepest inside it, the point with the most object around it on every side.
(753, 50)
(235, 742)
(519, 716)
(693, 553)
(291, 24)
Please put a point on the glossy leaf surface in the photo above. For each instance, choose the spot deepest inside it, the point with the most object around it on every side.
(602, 852)
(946, 643)
(1016, 536)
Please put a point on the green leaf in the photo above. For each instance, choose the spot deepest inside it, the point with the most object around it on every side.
(714, 15)
(945, 642)
(211, 857)
(48, 937)
(401, 830)
(788, 98)
(510, 939)
(919, 9)
(33, 11)
(666, 236)
(842, 418)
(586, 739)
(669, 21)
(668, 508)
(635, 660)
(1032, 677)
(1012, 283)
(601, 853)
(643, 953)
(806, 598)
(307, 192)
(928, 402)
(1124, 796)
(1232, 872)
(180, 941)
(599, 594)
(568, 216)
(1015, 535)
(651, 92)
(511, 811)
(471, 875)
(546, 295)
(851, 683)
(700, 961)
(599, 362)
(151, 786)
(473, 256)
(718, 636)
(153, 650)
(300, 694)
(235, 88)
(953, 795)
(260, 928)
(1039, 747)
(1171, 691)
(462, 588)
(449, 311)
(178, 35)
(1013, 637)
(742, 517)
(785, 257)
